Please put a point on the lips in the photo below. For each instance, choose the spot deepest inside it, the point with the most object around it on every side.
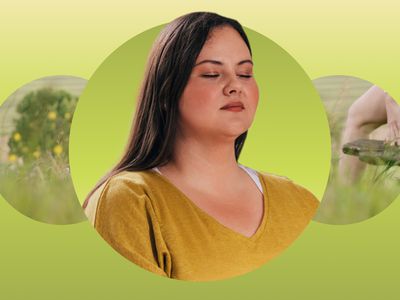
(233, 106)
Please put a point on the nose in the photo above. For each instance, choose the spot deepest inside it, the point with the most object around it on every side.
(232, 87)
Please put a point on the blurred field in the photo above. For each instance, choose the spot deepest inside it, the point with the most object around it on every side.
(378, 186)
(40, 193)
(37, 182)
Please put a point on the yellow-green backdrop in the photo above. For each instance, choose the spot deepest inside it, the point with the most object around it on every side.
(42, 38)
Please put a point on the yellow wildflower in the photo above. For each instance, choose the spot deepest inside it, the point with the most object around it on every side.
(17, 137)
(12, 157)
(52, 115)
(58, 149)
(36, 154)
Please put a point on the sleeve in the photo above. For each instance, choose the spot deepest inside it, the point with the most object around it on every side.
(291, 199)
(309, 203)
(291, 207)
(126, 219)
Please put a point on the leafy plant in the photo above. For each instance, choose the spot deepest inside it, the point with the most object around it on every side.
(43, 125)
(36, 180)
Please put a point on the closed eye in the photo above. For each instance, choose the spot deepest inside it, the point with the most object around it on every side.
(245, 75)
(210, 75)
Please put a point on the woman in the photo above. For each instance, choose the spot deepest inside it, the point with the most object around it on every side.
(178, 203)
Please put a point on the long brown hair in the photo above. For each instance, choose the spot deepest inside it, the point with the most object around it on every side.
(170, 63)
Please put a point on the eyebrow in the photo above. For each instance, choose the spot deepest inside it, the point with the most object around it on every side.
(217, 62)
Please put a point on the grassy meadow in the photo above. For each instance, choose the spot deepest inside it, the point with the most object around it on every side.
(377, 187)
(34, 134)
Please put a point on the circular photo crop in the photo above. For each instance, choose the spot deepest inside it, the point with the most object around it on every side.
(364, 121)
(34, 134)
(190, 192)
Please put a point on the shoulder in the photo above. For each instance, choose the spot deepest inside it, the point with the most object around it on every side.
(284, 192)
(284, 184)
(125, 217)
(121, 191)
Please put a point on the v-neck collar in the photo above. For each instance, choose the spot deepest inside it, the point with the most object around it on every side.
(252, 238)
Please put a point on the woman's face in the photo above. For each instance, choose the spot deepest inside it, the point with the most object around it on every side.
(221, 96)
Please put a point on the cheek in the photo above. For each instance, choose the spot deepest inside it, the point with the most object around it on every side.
(197, 98)
(253, 95)
(191, 107)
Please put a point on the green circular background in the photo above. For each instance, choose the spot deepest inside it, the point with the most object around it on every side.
(290, 135)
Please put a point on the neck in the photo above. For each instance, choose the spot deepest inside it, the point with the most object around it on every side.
(202, 160)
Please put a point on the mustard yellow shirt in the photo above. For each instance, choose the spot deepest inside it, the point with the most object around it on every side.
(152, 223)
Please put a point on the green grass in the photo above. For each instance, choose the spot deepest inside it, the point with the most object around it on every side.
(41, 190)
(345, 204)
(377, 187)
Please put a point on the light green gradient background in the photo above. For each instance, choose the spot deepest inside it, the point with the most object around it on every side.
(42, 38)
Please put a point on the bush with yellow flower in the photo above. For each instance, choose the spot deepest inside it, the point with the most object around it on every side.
(42, 126)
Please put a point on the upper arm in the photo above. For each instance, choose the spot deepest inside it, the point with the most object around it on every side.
(126, 219)
(368, 110)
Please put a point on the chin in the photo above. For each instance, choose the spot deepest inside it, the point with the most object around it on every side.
(234, 134)
(239, 128)
(231, 131)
